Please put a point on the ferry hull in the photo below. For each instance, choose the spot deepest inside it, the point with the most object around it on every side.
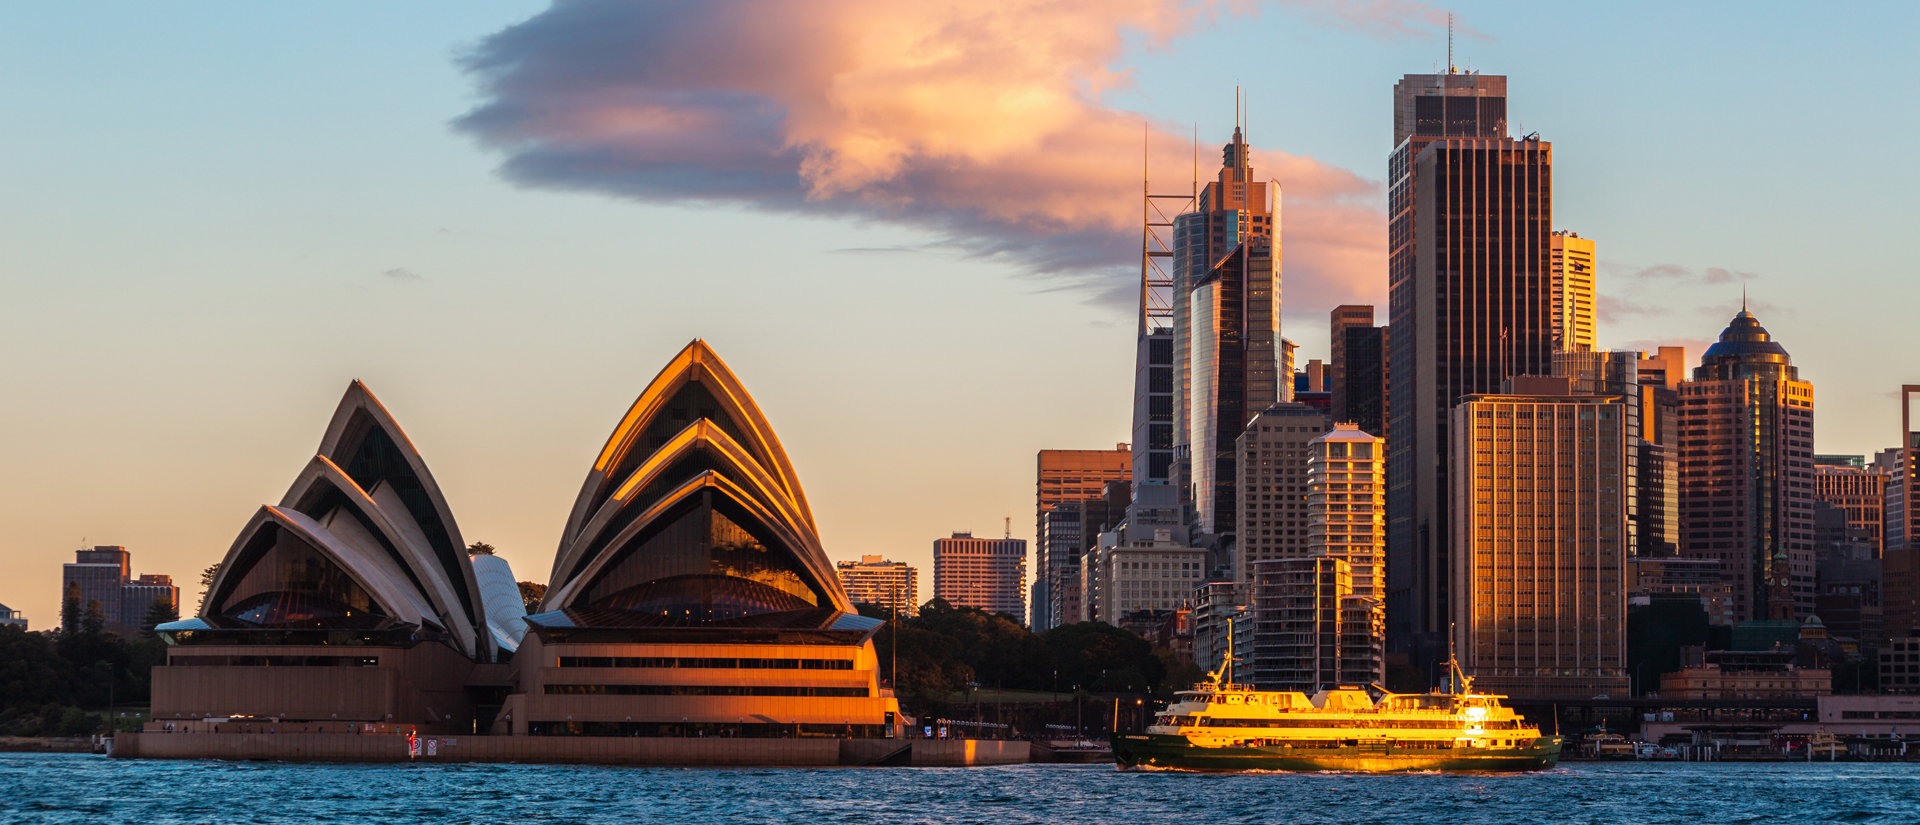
(1173, 751)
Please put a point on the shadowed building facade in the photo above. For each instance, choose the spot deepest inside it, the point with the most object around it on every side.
(690, 595)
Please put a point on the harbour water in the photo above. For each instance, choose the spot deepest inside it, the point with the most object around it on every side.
(74, 788)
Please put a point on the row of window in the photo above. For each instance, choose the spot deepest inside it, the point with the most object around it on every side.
(703, 690)
(685, 662)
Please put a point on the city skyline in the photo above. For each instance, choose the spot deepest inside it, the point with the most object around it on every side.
(182, 304)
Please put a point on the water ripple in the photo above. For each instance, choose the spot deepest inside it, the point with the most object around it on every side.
(63, 788)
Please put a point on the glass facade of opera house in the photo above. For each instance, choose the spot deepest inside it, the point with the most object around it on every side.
(690, 595)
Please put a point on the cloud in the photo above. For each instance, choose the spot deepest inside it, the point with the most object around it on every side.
(1678, 274)
(398, 275)
(982, 122)
(1609, 309)
(1760, 309)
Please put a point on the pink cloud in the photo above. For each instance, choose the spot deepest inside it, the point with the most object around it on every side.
(979, 121)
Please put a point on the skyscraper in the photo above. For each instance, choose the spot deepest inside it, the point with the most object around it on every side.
(1062, 476)
(1357, 375)
(1746, 435)
(1274, 454)
(1573, 329)
(1900, 537)
(990, 574)
(1469, 291)
(1540, 525)
(1227, 260)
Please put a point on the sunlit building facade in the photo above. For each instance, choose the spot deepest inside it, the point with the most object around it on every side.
(891, 585)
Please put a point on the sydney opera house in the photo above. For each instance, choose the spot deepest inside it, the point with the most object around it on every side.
(690, 596)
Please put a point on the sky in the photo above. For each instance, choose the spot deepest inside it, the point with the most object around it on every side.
(911, 229)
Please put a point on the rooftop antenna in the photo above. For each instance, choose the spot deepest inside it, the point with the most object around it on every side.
(1743, 297)
(1009, 526)
(1449, 42)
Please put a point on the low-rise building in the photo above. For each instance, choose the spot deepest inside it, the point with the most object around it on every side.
(1746, 674)
(12, 618)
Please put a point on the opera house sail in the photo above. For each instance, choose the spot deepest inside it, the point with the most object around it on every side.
(690, 595)
(351, 602)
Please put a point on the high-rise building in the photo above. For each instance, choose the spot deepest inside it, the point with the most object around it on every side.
(1273, 457)
(1746, 435)
(1311, 631)
(1900, 518)
(1540, 527)
(990, 574)
(1616, 373)
(1228, 348)
(1657, 531)
(1470, 304)
(1860, 493)
(1573, 329)
(887, 584)
(1357, 375)
(1067, 476)
(104, 575)
(1347, 505)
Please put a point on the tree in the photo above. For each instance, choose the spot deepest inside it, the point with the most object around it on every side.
(1104, 658)
(95, 622)
(480, 548)
(70, 610)
(532, 593)
(159, 613)
(206, 583)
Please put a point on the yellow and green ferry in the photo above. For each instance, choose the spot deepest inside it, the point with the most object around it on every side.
(1222, 726)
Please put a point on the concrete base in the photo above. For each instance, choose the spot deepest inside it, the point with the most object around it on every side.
(346, 747)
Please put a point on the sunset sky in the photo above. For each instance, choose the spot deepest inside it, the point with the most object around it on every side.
(910, 228)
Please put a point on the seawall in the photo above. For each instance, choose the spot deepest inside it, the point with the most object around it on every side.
(346, 747)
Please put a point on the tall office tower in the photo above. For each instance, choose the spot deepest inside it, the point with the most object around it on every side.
(1347, 505)
(1746, 436)
(1062, 476)
(1227, 349)
(1274, 451)
(889, 584)
(1900, 533)
(1540, 525)
(1572, 261)
(1357, 375)
(1858, 492)
(1311, 630)
(104, 574)
(1659, 509)
(1470, 303)
(990, 574)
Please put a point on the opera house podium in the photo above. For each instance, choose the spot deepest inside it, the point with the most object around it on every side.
(691, 614)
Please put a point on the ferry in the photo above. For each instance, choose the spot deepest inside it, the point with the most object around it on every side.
(1222, 726)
